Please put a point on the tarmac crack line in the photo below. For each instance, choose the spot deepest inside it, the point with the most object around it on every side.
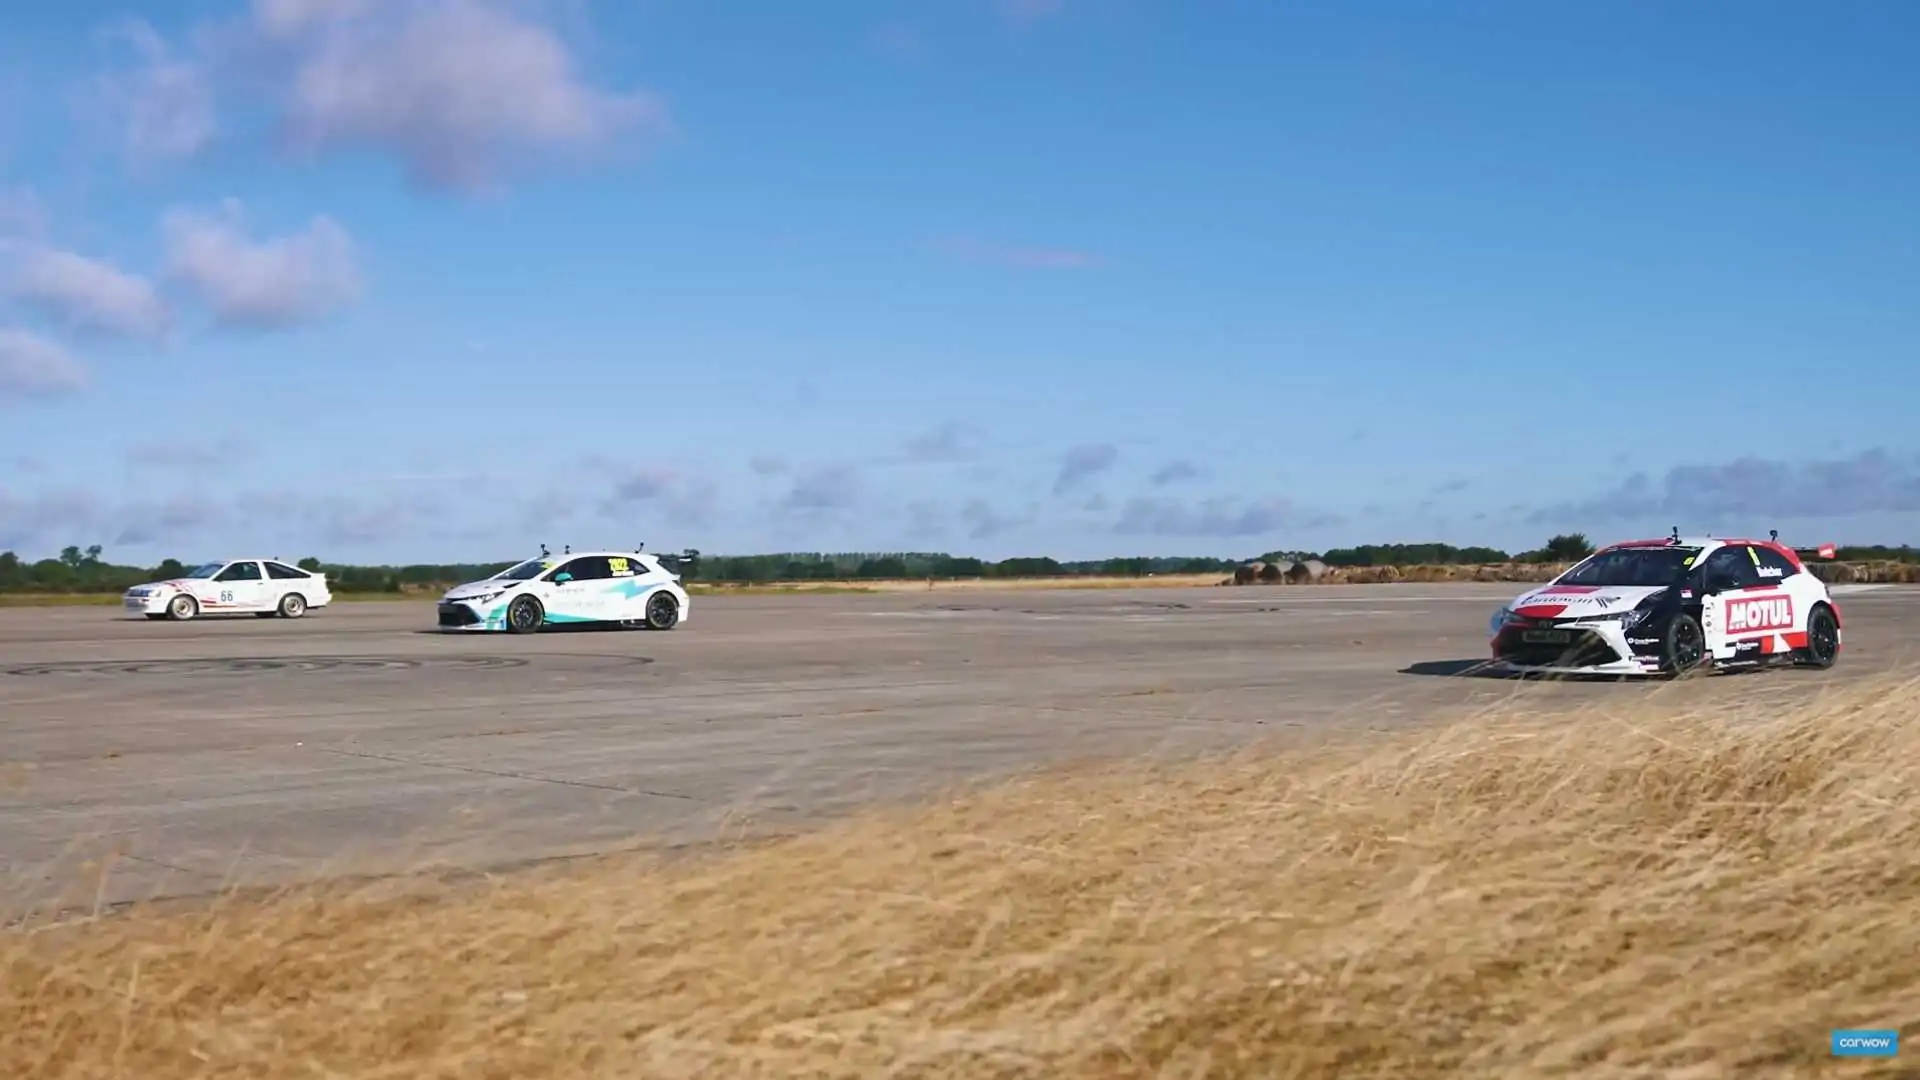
(531, 778)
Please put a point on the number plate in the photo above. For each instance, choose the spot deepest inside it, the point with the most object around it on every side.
(1548, 637)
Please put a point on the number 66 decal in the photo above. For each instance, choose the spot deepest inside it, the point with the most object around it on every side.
(226, 596)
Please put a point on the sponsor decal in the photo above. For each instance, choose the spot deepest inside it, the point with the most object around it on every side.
(1551, 597)
(1771, 571)
(1760, 614)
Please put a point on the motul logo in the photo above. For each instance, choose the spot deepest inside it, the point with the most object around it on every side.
(1772, 613)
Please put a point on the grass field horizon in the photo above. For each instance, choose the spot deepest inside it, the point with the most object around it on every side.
(1661, 884)
(1880, 572)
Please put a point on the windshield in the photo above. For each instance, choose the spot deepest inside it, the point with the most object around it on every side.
(1633, 566)
(206, 571)
(526, 571)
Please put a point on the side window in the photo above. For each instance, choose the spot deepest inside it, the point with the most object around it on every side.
(587, 568)
(280, 572)
(1773, 566)
(240, 571)
(1732, 562)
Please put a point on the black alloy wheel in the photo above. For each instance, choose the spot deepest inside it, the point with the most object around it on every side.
(1823, 638)
(525, 615)
(1686, 645)
(663, 611)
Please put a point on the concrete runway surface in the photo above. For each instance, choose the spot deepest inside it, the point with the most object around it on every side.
(187, 757)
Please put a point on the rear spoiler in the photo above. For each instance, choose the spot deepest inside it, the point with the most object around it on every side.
(1824, 551)
(686, 562)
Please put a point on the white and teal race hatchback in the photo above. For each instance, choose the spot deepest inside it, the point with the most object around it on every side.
(625, 588)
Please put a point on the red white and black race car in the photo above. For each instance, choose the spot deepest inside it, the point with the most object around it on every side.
(1669, 606)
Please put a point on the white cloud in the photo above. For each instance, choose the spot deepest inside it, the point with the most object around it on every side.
(261, 284)
(1082, 463)
(1214, 517)
(163, 107)
(461, 91)
(86, 294)
(824, 489)
(32, 366)
(455, 88)
(46, 521)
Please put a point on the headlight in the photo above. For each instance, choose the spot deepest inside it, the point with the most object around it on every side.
(1499, 619)
(1634, 618)
(485, 598)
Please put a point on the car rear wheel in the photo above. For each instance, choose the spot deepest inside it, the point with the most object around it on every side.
(182, 607)
(292, 606)
(1823, 638)
(1684, 648)
(663, 611)
(525, 615)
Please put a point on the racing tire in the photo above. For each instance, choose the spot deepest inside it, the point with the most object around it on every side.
(663, 612)
(292, 606)
(1683, 648)
(525, 615)
(182, 607)
(1823, 639)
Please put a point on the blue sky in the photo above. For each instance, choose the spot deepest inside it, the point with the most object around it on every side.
(445, 279)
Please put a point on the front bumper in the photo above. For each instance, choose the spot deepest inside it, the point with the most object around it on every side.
(466, 615)
(1595, 647)
(150, 604)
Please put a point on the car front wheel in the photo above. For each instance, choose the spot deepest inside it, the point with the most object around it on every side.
(1684, 647)
(182, 607)
(525, 615)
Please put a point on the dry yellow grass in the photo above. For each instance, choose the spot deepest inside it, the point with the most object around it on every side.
(1635, 890)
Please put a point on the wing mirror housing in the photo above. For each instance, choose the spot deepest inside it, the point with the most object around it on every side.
(562, 578)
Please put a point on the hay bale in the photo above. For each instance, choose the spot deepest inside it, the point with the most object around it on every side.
(1835, 573)
(1248, 574)
(1275, 572)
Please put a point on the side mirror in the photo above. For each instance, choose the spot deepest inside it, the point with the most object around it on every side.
(1719, 583)
(562, 578)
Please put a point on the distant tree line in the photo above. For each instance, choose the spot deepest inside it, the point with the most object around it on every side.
(84, 570)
